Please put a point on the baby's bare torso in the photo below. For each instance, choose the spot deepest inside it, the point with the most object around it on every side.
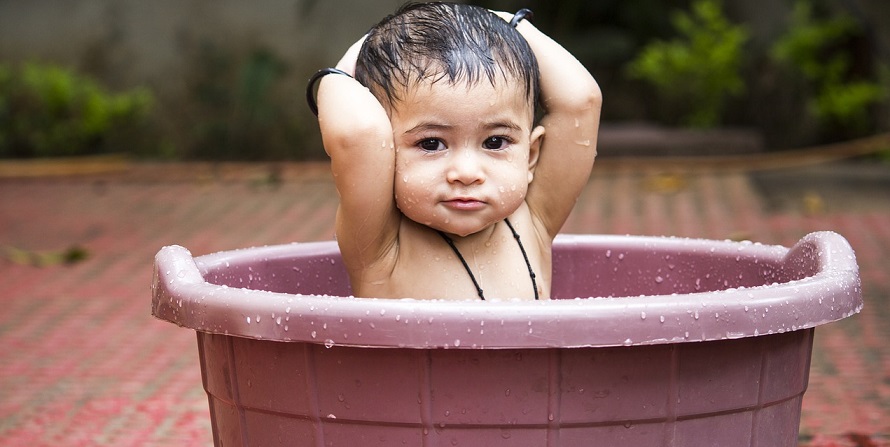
(422, 265)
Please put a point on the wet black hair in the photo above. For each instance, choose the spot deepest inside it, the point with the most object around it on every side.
(444, 41)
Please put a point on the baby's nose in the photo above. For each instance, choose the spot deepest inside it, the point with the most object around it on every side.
(465, 167)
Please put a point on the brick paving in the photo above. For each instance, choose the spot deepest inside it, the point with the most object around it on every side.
(84, 363)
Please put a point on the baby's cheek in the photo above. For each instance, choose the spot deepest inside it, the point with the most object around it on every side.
(513, 192)
(409, 191)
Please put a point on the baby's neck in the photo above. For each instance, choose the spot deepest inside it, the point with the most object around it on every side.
(466, 266)
(478, 238)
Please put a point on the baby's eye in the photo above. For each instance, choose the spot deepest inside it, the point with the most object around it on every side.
(431, 145)
(495, 143)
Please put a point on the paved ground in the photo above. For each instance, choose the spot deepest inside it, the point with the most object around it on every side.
(84, 363)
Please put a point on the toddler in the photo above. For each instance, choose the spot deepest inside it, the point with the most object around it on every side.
(450, 187)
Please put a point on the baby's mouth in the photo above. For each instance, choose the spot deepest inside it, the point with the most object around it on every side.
(464, 204)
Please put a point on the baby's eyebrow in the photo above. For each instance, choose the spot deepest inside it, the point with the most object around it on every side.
(428, 125)
(501, 125)
(436, 126)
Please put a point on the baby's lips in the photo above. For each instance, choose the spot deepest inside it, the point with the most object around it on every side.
(464, 203)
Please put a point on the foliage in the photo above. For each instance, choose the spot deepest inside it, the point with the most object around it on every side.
(701, 68)
(241, 112)
(812, 48)
(47, 110)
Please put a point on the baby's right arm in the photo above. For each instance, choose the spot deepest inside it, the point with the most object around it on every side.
(357, 135)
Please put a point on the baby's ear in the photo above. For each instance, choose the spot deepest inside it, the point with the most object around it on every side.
(534, 150)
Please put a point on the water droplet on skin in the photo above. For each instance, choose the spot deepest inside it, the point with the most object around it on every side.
(642, 315)
(248, 320)
(659, 279)
(329, 343)
(608, 253)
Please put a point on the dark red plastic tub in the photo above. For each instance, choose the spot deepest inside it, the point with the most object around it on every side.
(648, 341)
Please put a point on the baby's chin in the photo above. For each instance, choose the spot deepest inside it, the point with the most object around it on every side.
(462, 232)
(458, 225)
(458, 229)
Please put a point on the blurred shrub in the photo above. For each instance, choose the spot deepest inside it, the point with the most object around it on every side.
(243, 109)
(700, 69)
(814, 49)
(47, 110)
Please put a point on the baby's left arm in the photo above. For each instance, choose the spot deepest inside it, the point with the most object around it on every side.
(572, 100)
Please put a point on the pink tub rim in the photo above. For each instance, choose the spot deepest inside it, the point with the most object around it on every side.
(182, 296)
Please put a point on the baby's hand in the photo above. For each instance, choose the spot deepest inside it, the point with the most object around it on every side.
(347, 62)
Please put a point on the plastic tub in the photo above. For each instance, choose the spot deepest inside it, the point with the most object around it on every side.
(684, 342)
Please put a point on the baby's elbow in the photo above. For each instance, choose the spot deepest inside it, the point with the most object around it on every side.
(583, 98)
(357, 133)
(589, 97)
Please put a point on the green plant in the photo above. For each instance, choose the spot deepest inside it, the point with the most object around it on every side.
(700, 69)
(243, 110)
(47, 110)
(813, 48)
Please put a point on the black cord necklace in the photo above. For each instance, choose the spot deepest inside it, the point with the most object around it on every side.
(531, 272)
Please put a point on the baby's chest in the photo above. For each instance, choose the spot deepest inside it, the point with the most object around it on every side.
(442, 273)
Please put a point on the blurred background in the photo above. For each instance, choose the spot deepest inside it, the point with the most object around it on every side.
(722, 120)
(224, 80)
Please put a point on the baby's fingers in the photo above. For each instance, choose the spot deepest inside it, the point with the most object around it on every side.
(347, 62)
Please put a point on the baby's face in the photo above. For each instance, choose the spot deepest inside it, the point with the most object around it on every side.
(465, 155)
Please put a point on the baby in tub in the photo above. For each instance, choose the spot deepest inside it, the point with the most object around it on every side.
(449, 186)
